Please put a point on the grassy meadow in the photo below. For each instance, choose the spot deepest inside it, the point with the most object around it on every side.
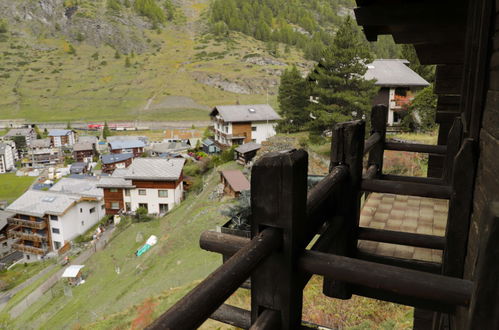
(12, 186)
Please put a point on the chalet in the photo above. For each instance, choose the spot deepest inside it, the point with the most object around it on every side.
(246, 152)
(234, 182)
(92, 139)
(398, 85)
(45, 221)
(164, 148)
(210, 147)
(79, 168)
(5, 241)
(155, 184)
(6, 158)
(42, 153)
(21, 136)
(238, 124)
(83, 152)
(110, 162)
(61, 137)
(135, 147)
(183, 134)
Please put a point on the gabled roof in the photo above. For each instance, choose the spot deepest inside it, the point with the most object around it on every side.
(126, 144)
(19, 132)
(247, 147)
(169, 147)
(85, 187)
(115, 158)
(245, 113)
(155, 169)
(88, 139)
(40, 143)
(38, 203)
(83, 146)
(236, 180)
(393, 72)
(114, 182)
(59, 132)
(72, 271)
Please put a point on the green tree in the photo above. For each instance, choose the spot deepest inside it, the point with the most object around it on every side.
(421, 114)
(68, 125)
(106, 131)
(339, 89)
(71, 50)
(426, 71)
(37, 131)
(117, 54)
(113, 5)
(150, 9)
(127, 62)
(293, 100)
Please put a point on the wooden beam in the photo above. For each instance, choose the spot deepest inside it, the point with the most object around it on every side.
(448, 79)
(441, 53)
(407, 188)
(415, 179)
(420, 265)
(379, 118)
(416, 147)
(268, 320)
(232, 315)
(402, 238)
(371, 142)
(453, 146)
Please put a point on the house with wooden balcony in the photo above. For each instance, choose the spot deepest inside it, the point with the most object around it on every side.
(238, 124)
(398, 84)
(62, 137)
(44, 221)
(5, 241)
(127, 145)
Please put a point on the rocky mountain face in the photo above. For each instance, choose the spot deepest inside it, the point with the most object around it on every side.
(90, 21)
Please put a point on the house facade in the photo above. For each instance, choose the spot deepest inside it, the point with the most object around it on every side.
(44, 221)
(22, 137)
(398, 85)
(42, 153)
(238, 124)
(6, 158)
(83, 152)
(155, 184)
(234, 182)
(111, 162)
(5, 241)
(62, 137)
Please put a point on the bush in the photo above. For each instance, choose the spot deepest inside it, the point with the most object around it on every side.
(3, 26)
(141, 215)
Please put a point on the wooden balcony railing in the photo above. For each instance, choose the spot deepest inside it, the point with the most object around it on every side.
(30, 249)
(27, 236)
(27, 223)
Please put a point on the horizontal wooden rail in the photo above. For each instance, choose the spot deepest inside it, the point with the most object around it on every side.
(268, 320)
(402, 238)
(423, 266)
(406, 188)
(438, 288)
(225, 244)
(416, 147)
(197, 306)
(371, 142)
(415, 179)
(232, 315)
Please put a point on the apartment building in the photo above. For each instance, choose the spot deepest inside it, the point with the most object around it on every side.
(6, 158)
(61, 137)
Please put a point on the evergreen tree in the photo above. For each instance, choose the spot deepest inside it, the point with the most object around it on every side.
(105, 131)
(339, 89)
(117, 55)
(68, 125)
(293, 100)
(425, 71)
(150, 9)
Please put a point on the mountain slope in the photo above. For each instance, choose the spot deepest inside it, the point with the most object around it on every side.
(58, 63)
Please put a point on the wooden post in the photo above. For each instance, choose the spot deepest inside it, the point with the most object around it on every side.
(460, 205)
(453, 145)
(485, 298)
(379, 118)
(347, 149)
(279, 200)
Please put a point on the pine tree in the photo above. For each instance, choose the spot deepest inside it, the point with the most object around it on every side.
(105, 131)
(340, 91)
(293, 100)
(68, 125)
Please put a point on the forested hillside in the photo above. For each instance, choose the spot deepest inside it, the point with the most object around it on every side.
(308, 25)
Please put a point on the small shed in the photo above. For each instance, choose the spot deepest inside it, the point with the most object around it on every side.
(234, 182)
(78, 168)
(73, 274)
(246, 152)
(210, 147)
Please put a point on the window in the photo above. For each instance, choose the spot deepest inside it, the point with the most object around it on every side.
(142, 192)
(128, 206)
(83, 223)
(4, 244)
(115, 205)
(253, 140)
(57, 245)
(113, 190)
(226, 129)
(27, 257)
(103, 206)
(163, 208)
(162, 193)
(144, 206)
(253, 128)
(54, 217)
(92, 210)
(81, 210)
(127, 192)
(56, 230)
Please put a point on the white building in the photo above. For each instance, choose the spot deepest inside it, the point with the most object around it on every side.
(44, 221)
(61, 137)
(238, 124)
(6, 158)
(155, 184)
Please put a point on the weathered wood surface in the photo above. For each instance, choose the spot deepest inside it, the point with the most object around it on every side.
(206, 297)
(371, 142)
(347, 149)
(449, 79)
(402, 238)
(416, 147)
(453, 146)
(423, 266)
(408, 282)
(407, 188)
(443, 53)
(415, 179)
(225, 244)
(268, 320)
(371, 172)
(460, 207)
(279, 200)
(485, 299)
(232, 315)
(379, 118)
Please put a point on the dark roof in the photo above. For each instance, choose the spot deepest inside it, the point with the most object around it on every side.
(126, 144)
(82, 146)
(236, 180)
(115, 158)
(247, 147)
(393, 72)
(245, 113)
(78, 165)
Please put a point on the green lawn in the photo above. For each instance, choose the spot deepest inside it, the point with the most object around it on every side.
(12, 186)
(167, 270)
(19, 273)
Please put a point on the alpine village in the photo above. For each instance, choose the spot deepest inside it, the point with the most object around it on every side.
(249, 164)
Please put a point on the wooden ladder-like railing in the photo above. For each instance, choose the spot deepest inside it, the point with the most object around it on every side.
(280, 257)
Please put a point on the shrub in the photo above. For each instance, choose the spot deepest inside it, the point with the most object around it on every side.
(141, 215)
(150, 9)
(3, 26)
